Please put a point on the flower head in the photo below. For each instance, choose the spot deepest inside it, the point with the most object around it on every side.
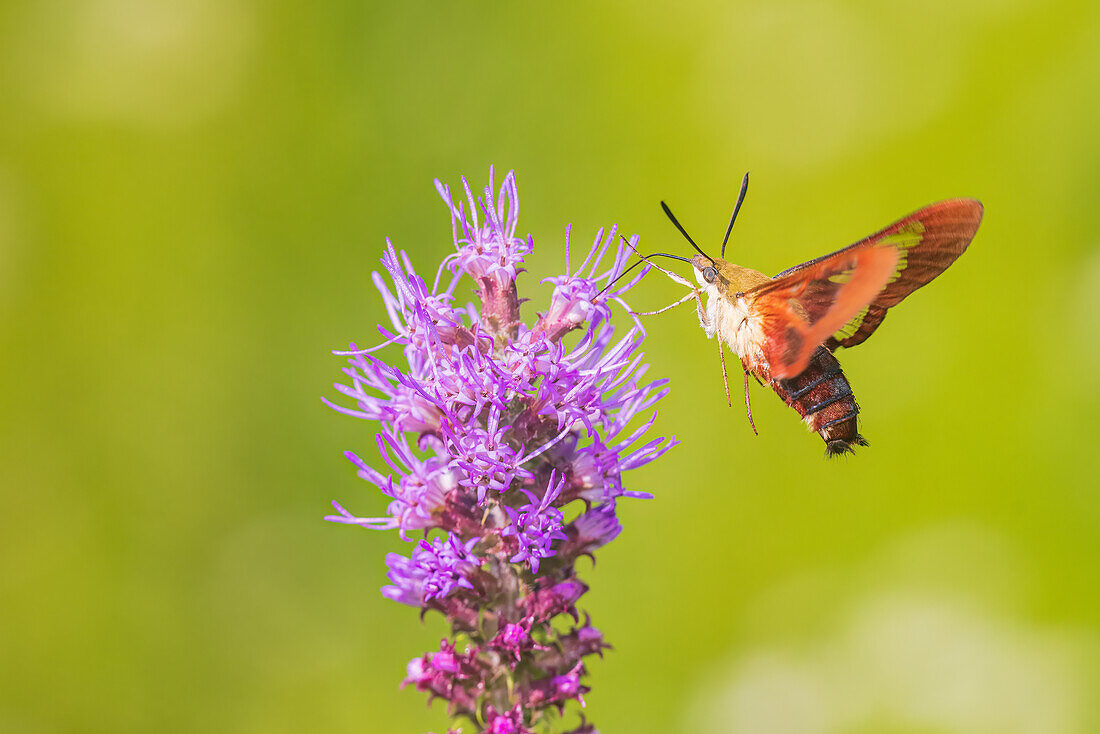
(489, 429)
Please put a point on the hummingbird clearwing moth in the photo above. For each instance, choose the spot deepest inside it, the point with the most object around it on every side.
(785, 328)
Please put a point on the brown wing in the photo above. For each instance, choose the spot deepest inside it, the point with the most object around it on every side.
(928, 241)
(798, 312)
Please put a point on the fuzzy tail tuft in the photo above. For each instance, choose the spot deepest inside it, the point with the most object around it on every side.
(839, 446)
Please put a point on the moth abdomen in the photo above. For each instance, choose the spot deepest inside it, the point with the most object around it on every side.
(822, 396)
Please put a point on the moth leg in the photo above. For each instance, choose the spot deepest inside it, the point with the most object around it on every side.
(748, 405)
(701, 310)
(725, 374)
(673, 276)
(682, 301)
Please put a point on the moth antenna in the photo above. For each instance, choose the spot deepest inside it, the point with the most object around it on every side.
(736, 208)
(670, 215)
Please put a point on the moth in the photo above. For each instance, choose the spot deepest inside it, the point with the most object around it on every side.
(786, 328)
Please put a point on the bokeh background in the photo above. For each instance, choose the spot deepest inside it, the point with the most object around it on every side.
(193, 194)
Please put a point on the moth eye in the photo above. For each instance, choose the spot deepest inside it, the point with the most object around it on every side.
(709, 274)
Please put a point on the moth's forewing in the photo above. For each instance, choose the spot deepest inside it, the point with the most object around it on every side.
(799, 311)
(928, 241)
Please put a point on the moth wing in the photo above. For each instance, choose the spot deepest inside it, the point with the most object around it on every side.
(799, 311)
(928, 241)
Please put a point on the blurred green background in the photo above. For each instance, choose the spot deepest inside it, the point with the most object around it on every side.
(193, 194)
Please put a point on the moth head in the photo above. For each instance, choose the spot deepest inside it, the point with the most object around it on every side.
(706, 272)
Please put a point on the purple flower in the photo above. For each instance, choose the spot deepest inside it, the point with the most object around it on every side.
(595, 528)
(483, 457)
(515, 639)
(535, 526)
(489, 430)
(402, 403)
(556, 689)
(574, 300)
(435, 570)
(597, 469)
(579, 643)
(420, 495)
(423, 320)
(550, 601)
(450, 675)
(505, 722)
(486, 248)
